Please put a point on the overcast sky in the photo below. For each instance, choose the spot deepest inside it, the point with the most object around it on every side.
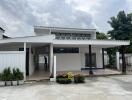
(18, 17)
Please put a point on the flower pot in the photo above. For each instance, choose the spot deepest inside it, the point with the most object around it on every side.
(2, 83)
(14, 83)
(20, 82)
(8, 83)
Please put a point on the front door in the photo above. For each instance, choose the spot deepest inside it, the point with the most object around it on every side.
(87, 60)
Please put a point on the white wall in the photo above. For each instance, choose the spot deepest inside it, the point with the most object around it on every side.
(75, 61)
(12, 59)
(15, 48)
(98, 52)
(68, 62)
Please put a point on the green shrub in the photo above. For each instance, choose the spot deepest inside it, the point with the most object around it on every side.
(0, 76)
(79, 78)
(7, 74)
(14, 74)
(64, 78)
(19, 74)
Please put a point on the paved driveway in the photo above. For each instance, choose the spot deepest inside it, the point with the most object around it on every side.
(97, 88)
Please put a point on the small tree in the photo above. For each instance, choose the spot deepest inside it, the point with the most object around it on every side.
(122, 28)
(101, 36)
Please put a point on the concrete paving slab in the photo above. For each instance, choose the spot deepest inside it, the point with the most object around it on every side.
(95, 88)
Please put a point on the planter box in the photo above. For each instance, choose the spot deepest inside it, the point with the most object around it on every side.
(2, 83)
(14, 83)
(52, 80)
(8, 83)
(20, 82)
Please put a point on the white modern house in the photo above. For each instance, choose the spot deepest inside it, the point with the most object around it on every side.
(55, 49)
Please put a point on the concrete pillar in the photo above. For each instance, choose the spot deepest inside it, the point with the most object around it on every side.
(103, 58)
(54, 68)
(123, 60)
(117, 60)
(90, 61)
(51, 58)
(25, 61)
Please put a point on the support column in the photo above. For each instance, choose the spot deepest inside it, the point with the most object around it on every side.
(103, 58)
(24, 61)
(51, 58)
(90, 61)
(123, 60)
(117, 60)
(54, 68)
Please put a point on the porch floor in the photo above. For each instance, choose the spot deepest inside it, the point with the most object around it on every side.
(42, 75)
(38, 75)
(97, 72)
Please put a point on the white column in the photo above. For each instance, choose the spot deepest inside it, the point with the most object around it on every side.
(54, 68)
(25, 61)
(117, 60)
(51, 58)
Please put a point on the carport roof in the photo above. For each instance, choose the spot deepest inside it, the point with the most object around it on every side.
(51, 39)
(29, 39)
(94, 43)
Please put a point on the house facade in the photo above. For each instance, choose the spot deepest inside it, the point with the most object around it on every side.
(54, 49)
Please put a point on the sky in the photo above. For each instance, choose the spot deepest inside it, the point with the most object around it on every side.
(18, 17)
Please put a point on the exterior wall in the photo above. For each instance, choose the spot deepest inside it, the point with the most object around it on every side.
(12, 59)
(15, 48)
(75, 61)
(68, 62)
(44, 31)
(98, 53)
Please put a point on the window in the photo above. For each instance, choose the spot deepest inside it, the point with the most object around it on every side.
(66, 50)
(71, 36)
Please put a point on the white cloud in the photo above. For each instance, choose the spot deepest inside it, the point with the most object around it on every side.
(18, 17)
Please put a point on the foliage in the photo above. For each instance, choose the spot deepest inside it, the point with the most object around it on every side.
(6, 74)
(101, 36)
(70, 75)
(79, 78)
(19, 74)
(64, 78)
(15, 75)
(122, 28)
(111, 53)
(0, 76)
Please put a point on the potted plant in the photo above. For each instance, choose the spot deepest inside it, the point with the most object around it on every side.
(65, 78)
(2, 82)
(19, 77)
(14, 77)
(79, 78)
(7, 76)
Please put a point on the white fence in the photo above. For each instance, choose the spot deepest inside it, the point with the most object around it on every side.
(12, 59)
(129, 63)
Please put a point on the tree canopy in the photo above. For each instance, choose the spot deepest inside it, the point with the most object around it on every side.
(122, 26)
(101, 36)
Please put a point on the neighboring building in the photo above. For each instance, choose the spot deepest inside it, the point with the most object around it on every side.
(75, 50)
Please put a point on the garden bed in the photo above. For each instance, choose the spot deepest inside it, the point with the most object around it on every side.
(67, 78)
